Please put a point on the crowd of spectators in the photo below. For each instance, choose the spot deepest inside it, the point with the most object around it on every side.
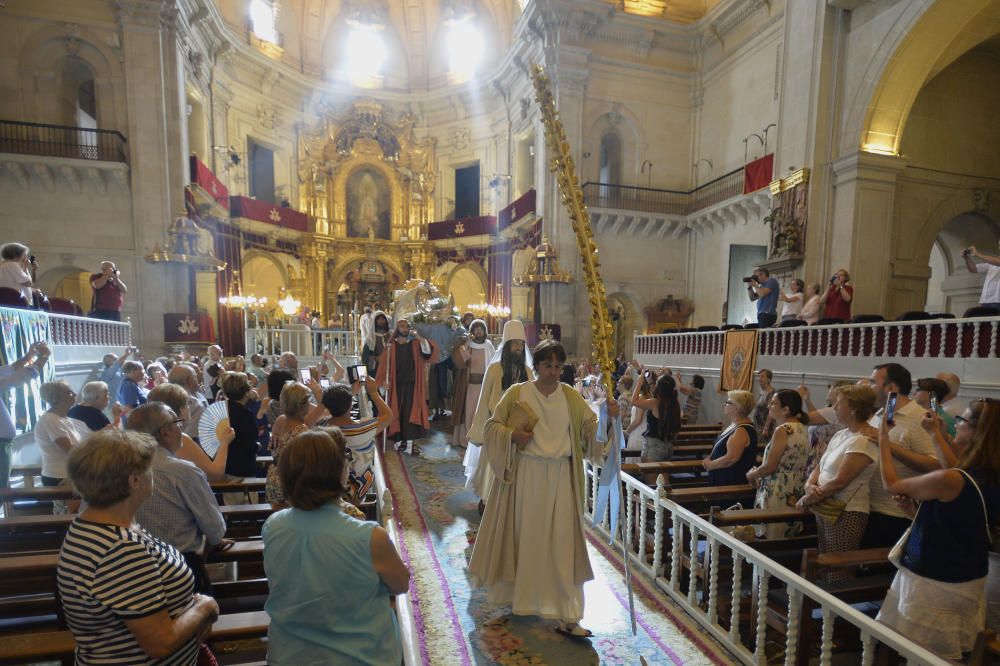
(888, 461)
(132, 575)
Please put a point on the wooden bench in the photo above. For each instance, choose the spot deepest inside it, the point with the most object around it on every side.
(46, 531)
(59, 645)
(49, 493)
(28, 473)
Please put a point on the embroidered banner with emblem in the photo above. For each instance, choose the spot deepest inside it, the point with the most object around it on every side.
(739, 357)
(19, 329)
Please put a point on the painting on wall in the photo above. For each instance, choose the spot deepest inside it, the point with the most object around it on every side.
(369, 204)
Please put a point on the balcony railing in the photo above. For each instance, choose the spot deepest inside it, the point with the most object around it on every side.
(80, 143)
(668, 202)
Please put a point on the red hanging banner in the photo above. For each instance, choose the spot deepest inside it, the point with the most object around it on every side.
(757, 174)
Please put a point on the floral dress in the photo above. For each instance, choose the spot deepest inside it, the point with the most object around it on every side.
(272, 489)
(784, 487)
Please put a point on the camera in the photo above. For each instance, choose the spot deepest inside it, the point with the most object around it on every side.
(967, 252)
(31, 259)
(748, 280)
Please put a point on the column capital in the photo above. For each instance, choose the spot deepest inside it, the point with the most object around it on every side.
(863, 165)
(146, 14)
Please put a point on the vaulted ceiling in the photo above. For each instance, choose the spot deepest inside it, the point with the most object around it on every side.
(313, 32)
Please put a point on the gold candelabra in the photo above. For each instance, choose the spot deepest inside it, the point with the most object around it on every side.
(561, 164)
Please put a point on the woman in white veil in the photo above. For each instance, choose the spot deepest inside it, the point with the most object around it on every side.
(511, 364)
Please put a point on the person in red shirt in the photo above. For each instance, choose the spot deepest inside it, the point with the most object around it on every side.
(109, 293)
(838, 297)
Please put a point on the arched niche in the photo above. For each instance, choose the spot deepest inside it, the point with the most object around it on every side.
(467, 284)
(51, 64)
(626, 321)
(263, 275)
(439, 71)
(369, 203)
(371, 164)
(395, 70)
(618, 121)
(69, 282)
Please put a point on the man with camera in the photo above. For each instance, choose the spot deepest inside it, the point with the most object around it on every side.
(764, 289)
(990, 296)
(109, 293)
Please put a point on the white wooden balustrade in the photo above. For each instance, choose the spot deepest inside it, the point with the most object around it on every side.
(303, 342)
(702, 595)
(815, 355)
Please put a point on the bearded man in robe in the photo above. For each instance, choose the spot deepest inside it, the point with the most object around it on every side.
(470, 357)
(402, 370)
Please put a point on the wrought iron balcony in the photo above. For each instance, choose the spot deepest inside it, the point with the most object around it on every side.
(62, 141)
(667, 202)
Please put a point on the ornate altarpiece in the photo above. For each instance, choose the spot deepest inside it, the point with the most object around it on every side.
(367, 182)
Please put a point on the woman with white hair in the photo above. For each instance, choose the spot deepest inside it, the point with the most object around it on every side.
(94, 399)
(14, 273)
(56, 433)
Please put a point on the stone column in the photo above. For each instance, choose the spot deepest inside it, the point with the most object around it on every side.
(154, 103)
(566, 304)
(861, 221)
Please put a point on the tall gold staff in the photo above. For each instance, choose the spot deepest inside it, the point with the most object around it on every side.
(562, 165)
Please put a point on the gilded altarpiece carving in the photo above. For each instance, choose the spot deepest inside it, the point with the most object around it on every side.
(367, 182)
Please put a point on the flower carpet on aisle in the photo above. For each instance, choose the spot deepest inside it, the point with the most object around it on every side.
(438, 519)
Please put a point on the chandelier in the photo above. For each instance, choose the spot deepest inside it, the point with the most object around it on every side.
(544, 267)
(240, 301)
(289, 305)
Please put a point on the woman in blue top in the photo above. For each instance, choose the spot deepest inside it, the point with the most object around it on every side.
(938, 595)
(331, 576)
(735, 451)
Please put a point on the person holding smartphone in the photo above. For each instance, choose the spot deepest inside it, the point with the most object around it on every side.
(109, 293)
(912, 451)
(838, 297)
(990, 266)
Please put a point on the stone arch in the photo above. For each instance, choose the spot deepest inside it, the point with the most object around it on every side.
(634, 320)
(273, 264)
(348, 262)
(470, 280)
(38, 62)
(924, 39)
(71, 282)
(619, 117)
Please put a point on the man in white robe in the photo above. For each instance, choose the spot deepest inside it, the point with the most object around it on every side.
(531, 552)
(470, 358)
(510, 365)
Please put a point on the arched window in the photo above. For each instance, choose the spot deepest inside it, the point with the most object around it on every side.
(611, 157)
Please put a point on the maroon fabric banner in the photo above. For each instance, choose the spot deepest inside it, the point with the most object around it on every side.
(203, 177)
(757, 174)
(467, 226)
(188, 328)
(521, 206)
(535, 333)
(227, 248)
(268, 213)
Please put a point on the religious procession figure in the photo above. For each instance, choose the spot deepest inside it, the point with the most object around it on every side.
(470, 357)
(509, 365)
(376, 337)
(402, 371)
(530, 552)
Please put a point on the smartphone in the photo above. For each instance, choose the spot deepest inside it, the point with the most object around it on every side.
(586, 382)
(357, 373)
(324, 384)
(890, 408)
(934, 404)
(305, 375)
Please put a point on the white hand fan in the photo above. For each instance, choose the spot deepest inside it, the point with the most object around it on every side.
(213, 424)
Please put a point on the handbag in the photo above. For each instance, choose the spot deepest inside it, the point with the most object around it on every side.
(896, 553)
(828, 509)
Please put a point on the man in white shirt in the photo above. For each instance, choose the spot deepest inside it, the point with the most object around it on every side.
(21, 371)
(912, 451)
(990, 265)
(186, 377)
(952, 404)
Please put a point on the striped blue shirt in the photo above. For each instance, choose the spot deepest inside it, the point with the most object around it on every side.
(109, 574)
